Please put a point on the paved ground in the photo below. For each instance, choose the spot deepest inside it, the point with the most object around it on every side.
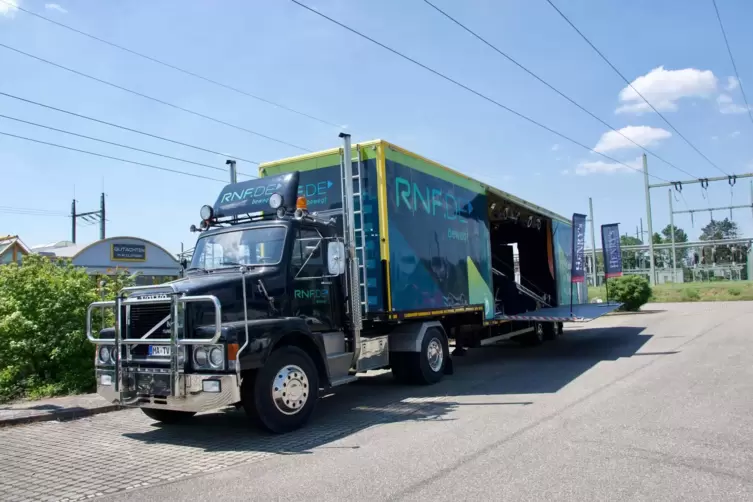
(654, 406)
(56, 408)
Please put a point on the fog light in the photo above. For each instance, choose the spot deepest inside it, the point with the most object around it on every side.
(210, 386)
(105, 379)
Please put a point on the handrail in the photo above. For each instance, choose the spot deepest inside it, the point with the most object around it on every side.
(159, 341)
(89, 310)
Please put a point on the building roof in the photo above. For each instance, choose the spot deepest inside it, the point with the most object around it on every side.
(61, 249)
(7, 242)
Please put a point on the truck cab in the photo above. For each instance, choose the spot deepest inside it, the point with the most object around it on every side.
(259, 319)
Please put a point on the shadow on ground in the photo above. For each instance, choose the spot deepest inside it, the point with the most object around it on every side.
(509, 372)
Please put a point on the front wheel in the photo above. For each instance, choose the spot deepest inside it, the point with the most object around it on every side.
(167, 416)
(282, 395)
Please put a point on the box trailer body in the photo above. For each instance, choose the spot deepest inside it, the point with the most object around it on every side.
(428, 231)
(372, 264)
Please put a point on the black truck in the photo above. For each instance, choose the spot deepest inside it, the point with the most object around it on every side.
(322, 269)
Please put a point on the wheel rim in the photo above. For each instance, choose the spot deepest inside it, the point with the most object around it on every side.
(540, 331)
(290, 389)
(435, 355)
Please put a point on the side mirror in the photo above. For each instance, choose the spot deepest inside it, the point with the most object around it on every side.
(184, 263)
(336, 258)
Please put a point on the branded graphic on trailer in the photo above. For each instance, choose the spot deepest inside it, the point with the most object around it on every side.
(316, 193)
(439, 247)
(435, 203)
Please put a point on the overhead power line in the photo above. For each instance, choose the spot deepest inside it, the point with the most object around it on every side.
(469, 89)
(732, 59)
(156, 100)
(173, 67)
(151, 166)
(120, 145)
(31, 211)
(550, 86)
(124, 128)
(633, 88)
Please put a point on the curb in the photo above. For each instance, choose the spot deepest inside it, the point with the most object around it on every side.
(61, 416)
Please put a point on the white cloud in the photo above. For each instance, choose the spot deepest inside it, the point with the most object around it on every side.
(601, 167)
(643, 135)
(555, 147)
(728, 106)
(54, 6)
(8, 8)
(565, 172)
(732, 84)
(664, 88)
(714, 138)
(734, 134)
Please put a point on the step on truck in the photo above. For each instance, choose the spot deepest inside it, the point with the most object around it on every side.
(332, 264)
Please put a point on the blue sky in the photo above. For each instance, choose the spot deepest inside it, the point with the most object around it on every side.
(288, 55)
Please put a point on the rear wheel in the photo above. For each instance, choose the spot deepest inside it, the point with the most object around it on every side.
(536, 337)
(281, 396)
(550, 331)
(167, 416)
(426, 367)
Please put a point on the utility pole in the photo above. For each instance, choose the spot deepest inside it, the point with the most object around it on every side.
(672, 230)
(652, 278)
(593, 240)
(91, 217)
(73, 221)
(102, 217)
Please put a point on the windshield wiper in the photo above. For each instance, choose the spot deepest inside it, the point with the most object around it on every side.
(191, 269)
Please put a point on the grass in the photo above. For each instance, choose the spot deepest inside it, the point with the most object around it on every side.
(719, 291)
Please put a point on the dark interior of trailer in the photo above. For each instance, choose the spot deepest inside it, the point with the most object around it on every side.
(512, 224)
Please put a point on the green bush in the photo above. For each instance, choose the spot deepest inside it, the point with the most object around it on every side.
(735, 291)
(691, 295)
(43, 345)
(631, 290)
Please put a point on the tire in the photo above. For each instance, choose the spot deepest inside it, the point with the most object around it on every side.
(536, 337)
(550, 331)
(288, 373)
(167, 416)
(426, 367)
(559, 329)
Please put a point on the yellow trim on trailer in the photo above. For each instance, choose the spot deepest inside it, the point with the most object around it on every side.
(313, 155)
(384, 228)
(430, 313)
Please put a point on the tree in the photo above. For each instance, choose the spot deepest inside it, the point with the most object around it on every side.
(43, 345)
(680, 236)
(717, 231)
(629, 240)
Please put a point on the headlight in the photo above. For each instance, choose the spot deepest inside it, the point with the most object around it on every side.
(207, 357)
(215, 357)
(200, 356)
(104, 354)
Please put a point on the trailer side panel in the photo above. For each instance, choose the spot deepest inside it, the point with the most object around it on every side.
(438, 236)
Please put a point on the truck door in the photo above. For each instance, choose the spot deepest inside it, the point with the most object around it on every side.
(312, 290)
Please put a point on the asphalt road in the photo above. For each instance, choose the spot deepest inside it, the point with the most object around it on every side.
(651, 406)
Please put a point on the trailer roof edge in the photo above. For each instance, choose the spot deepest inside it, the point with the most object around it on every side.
(496, 191)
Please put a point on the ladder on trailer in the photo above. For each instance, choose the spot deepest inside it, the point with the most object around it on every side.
(356, 283)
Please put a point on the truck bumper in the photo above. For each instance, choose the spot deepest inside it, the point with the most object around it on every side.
(193, 392)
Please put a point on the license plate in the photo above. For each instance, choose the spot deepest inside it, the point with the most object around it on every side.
(159, 350)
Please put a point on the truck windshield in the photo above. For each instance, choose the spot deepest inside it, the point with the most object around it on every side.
(252, 246)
